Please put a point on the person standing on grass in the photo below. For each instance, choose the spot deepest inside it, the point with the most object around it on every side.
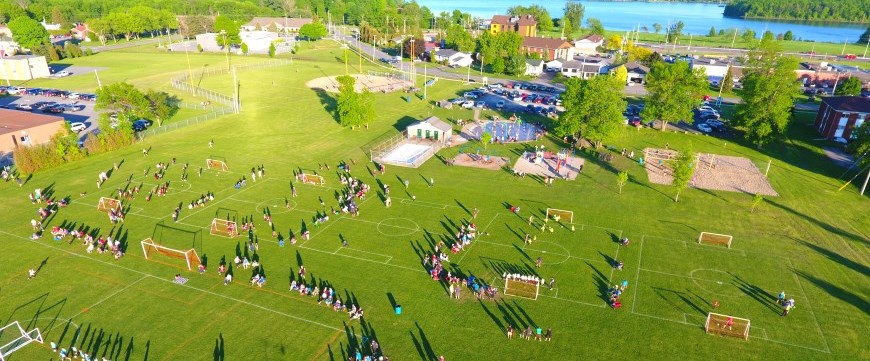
(211, 144)
(510, 332)
(552, 284)
(407, 183)
(539, 262)
(548, 335)
(293, 190)
(388, 202)
(31, 274)
(431, 182)
(781, 298)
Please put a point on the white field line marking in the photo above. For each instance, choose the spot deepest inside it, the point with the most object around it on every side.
(104, 299)
(806, 299)
(185, 285)
(637, 276)
(410, 202)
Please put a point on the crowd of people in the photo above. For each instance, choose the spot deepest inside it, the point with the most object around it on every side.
(528, 333)
(201, 201)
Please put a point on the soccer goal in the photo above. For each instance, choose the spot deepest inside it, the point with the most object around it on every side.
(217, 164)
(715, 238)
(725, 325)
(310, 179)
(224, 228)
(13, 337)
(108, 204)
(521, 288)
(560, 215)
(190, 257)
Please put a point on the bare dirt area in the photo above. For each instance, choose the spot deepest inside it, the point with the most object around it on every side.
(372, 83)
(480, 161)
(716, 172)
(547, 166)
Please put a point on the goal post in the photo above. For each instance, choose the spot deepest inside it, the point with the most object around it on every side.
(13, 337)
(108, 204)
(522, 288)
(724, 325)
(151, 248)
(224, 228)
(176, 237)
(715, 238)
(218, 164)
(310, 179)
(560, 215)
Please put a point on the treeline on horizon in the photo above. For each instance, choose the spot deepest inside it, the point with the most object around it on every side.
(853, 11)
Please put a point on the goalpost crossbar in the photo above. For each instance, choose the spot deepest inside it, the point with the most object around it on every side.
(224, 228)
(562, 215)
(108, 204)
(715, 238)
(190, 256)
(311, 179)
(718, 324)
(519, 288)
(216, 164)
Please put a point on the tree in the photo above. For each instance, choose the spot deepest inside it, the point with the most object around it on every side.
(673, 91)
(459, 39)
(639, 53)
(27, 32)
(313, 31)
(865, 37)
(851, 86)
(614, 43)
(676, 31)
(354, 109)
(595, 27)
(860, 144)
(657, 28)
(728, 79)
(574, 12)
(712, 32)
(769, 90)
(230, 28)
(788, 35)
(190, 26)
(621, 74)
(541, 15)
(271, 50)
(683, 168)
(621, 180)
(516, 65)
(748, 35)
(768, 35)
(162, 105)
(245, 48)
(485, 139)
(123, 98)
(593, 108)
(419, 47)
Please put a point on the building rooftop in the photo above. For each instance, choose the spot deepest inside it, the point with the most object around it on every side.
(637, 68)
(437, 123)
(15, 57)
(534, 62)
(13, 121)
(849, 104)
(594, 38)
(544, 43)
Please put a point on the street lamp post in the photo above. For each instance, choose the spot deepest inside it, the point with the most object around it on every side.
(226, 48)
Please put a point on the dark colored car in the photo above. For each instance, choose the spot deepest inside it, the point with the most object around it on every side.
(141, 125)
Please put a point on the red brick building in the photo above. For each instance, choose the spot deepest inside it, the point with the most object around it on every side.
(838, 116)
(19, 128)
(548, 48)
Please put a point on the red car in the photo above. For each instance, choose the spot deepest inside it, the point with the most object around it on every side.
(510, 85)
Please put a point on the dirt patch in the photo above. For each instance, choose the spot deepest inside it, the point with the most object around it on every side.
(717, 172)
(547, 166)
(372, 83)
(480, 161)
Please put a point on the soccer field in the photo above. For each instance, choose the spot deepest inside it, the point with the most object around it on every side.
(810, 241)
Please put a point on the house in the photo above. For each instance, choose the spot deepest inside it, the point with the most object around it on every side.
(534, 67)
(453, 58)
(584, 69)
(258, 41)
(283, 25)
(19, 128)
(524, 25)
(24, 67)
(588, 45)
(548, 48)
(636, 72)
(554, 65)
(715, 69)
(80, 32)
(431, 128)
(838, 116)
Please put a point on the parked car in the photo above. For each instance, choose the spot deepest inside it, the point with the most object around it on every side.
(471, 95)
(141, 125)
(530, 108)
(53, 109)
(457, 100)
(703, 127)
(16, 90)
(480, 104)
(25, 106)
(77, 127)
(499, 104)
(62, 73)
(468, 104)
(72, 107)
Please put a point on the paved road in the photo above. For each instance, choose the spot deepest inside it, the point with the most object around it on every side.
(666, 48)
(121, 45)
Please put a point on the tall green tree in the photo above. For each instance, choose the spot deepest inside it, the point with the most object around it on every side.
(850, 86)
(354, 109)
(683, 168)
(515, 65)
(673, 91)
(313, 31)
(728, 79)
(788, 35)
(657, 28)
(230, 29)
(769, 90)
(865, 37)
(162, 105)
(593, 108)
(458, 38)
(27, 32)
(712, 32)
(675, 32)
(860, 144)
(574, 12)
(541, 15)
(595, 27)
(621, 180)
(123, 98)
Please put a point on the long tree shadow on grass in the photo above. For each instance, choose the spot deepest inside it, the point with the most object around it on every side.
(827, 227)
(836, 257)
(329, 103)
(838, 292)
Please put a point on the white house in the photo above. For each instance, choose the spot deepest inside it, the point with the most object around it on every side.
(534, 67)
(258, 41)
(714, 68)
(588, 45)
(430, 128)
(554, 65)
(49, 27)
(284, 25)
(636, 72)
(453, 58)
(584, 69)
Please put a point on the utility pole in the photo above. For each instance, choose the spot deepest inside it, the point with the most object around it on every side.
(99, 85)
(238, 103)
(734, 38)
(844, 47)
(189, 72)
(425, 81)
(690, 42)
(866, 46)
(866, 180)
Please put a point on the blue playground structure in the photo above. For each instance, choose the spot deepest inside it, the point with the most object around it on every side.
(510, 131)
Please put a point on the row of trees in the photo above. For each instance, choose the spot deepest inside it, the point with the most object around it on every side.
(70, 11)
(856, 11)
(133, 22)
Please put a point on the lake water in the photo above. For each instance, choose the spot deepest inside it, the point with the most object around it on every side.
(698, 18)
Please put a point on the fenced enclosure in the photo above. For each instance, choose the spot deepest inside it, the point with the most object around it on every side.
(401, 151)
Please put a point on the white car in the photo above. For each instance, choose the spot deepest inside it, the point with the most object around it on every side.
(77, 127)
(468, 104)
(707, 108)
(16, 90)
(62, 74)
(704, 128)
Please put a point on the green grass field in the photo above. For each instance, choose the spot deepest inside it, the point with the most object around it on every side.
(810, 241)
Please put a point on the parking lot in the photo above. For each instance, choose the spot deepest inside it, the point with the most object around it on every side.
(512, 100)
(87, 115)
